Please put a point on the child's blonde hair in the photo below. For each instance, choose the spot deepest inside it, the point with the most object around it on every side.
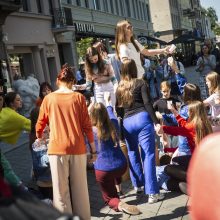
(214, 79)
(100, 119)
(198, 116)
(165, 85)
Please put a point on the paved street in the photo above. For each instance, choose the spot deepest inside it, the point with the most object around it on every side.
(174, 206)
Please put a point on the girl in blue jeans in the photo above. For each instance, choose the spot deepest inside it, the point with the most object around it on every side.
(138, 125)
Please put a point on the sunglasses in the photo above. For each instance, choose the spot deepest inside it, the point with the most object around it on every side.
(130, 27)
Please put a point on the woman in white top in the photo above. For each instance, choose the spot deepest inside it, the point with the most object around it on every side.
(213, 84)
(129, 48)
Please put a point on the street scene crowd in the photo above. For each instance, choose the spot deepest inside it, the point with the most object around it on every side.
(136, 97)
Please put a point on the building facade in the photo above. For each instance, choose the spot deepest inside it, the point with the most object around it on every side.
(42, 35)
(97, 19)
(174, 17)
(30, 42)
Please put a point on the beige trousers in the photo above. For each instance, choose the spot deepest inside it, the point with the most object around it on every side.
(70, 189)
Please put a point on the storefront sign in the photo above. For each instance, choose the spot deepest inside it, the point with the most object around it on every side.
(80, 27)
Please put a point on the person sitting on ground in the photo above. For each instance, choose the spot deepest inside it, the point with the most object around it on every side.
(194, 129)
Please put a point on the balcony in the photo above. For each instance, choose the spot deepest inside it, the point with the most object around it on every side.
(62, 20)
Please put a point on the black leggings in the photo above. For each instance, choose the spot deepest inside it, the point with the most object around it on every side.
(177, 172)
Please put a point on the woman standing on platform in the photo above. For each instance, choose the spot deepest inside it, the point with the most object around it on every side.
(129, 48)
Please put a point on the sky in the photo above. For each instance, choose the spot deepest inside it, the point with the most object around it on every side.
(212, 3)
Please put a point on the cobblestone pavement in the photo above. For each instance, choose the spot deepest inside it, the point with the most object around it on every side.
(174, 206)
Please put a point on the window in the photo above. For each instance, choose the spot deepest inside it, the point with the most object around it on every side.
(39, 6)
(68, 16)
(138, 10)
(134, 9)
(141, 12)
(128, 8)
(116, 7)
(111, 6)
(87, 3)
(97, 5)
(148, 13)
(25, 5)
(69, 1)
(50, 4)
(78, 3)
(105, 4)
(122, 7)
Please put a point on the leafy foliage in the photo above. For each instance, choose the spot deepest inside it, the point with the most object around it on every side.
(211, 13)
(82, 45)
(213, 16)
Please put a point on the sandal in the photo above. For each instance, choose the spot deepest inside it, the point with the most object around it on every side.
(129, 209)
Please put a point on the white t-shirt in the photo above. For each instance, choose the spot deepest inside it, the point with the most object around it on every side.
(215, 108)
(129, 51)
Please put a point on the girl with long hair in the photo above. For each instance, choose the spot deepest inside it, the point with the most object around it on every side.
(127, 47)
(138, 126)
(66, 113)
(101, 73)
(111, 163)
(213, 101)
(195, 128)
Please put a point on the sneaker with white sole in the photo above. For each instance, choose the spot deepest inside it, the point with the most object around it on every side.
(129, 209)
(139, 190)
(153, 198)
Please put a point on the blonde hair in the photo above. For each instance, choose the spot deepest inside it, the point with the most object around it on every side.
(120, 36)
(100, 119)
(165, 85)
(198, 117)
(125, 88)
(214, 79)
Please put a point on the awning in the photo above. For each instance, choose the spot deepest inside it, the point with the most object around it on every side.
(145, 39)
(185, 38)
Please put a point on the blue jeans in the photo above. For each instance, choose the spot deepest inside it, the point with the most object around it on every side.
(139, 130)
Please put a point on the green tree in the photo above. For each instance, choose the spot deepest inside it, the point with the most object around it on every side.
(217, 30)
(82, 45)
(213, 16)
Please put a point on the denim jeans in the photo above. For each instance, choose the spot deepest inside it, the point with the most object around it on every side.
(139, 130)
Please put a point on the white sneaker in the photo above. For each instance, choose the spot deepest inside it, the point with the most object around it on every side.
(153, 198)
(139, 190)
